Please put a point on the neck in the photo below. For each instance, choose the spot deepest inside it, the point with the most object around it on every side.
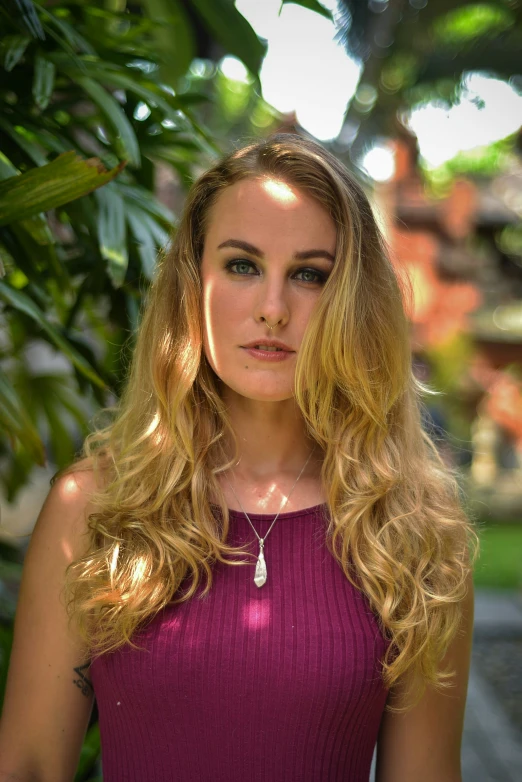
(272, 441)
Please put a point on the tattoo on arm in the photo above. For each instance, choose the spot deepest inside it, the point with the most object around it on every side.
(83, 682)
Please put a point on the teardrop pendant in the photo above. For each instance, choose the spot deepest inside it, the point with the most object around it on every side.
(261, 574)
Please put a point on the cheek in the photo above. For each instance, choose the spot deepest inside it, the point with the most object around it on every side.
(222, 311)
(222, 315)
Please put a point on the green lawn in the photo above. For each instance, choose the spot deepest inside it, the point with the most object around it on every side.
(500, 562)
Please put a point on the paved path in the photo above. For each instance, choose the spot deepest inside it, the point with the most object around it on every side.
(491, 748)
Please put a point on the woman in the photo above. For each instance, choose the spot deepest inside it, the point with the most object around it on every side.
(348, 621)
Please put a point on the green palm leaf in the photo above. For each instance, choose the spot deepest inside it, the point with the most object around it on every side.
(116, 116)
(68, 177)
(43, 81)
(112, 232)
(12, 49)
(312, 5)
(90, 751)
(149, 236)
(22, 137)
(20, 301)
(232, 31)
(174, 36)
(15, 421)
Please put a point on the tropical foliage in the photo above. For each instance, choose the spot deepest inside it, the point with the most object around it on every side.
(418, 51)
(94, 97)
(96, 101)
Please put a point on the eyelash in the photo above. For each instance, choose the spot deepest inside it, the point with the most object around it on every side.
(320, 275)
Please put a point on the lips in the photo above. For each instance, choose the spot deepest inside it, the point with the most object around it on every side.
(269, 356)
(269, 344)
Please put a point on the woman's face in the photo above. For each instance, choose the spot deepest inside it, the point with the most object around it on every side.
(245, 287)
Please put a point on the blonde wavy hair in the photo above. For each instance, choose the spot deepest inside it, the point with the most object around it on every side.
(396, 525)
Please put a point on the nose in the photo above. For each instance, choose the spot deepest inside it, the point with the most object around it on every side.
(272, 304)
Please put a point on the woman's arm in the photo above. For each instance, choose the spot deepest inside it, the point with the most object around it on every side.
(49, 697)
(425, 743)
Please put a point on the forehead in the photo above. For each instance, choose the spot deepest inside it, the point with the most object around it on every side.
(269, 209)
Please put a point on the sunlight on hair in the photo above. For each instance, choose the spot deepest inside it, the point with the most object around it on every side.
(157, 435)
(153, 425)
(279, 190)
(139, 569)
(114, 562)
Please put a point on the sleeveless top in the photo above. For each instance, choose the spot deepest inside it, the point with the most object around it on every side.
(276, 683)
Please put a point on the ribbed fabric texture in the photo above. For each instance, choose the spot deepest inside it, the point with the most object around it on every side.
(273, 684)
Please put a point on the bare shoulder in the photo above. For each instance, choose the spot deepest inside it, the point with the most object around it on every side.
(70, 500)
(49, 695)
(76, 485)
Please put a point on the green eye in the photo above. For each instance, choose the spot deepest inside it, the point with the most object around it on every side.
(321, 277)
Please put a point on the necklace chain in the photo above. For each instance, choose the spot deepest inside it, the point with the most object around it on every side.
(261, 571)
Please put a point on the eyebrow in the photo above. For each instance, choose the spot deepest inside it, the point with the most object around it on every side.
(304, 255)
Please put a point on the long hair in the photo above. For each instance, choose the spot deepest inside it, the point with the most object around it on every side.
(396, 525)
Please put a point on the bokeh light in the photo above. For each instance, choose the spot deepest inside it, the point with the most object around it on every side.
(489, 109)
(379, 163)
(304, 70)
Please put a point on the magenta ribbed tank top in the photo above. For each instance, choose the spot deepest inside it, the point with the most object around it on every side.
(279, 683)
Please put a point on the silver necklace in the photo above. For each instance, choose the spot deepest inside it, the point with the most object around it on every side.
(261, 572)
